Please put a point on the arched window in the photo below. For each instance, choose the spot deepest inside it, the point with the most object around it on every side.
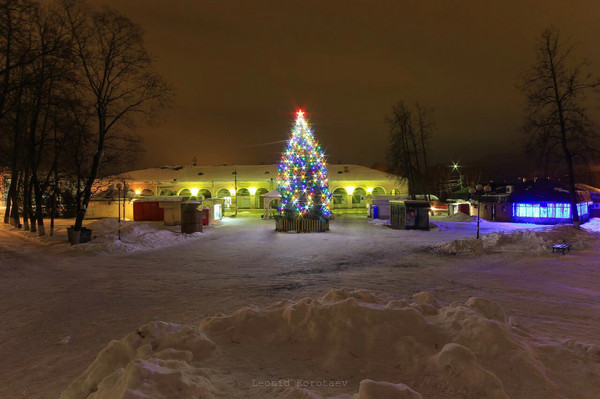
(223, 193)
(379, 191)
(205, 193)
(166, 192)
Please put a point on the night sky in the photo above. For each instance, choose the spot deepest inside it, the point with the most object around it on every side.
(241, 68)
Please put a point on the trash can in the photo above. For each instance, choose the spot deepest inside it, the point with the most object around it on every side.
(73, 235)
(78, 237)
(191, 217)
(375, 212)
(85, 236)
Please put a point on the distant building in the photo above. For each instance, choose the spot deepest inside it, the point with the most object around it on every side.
(246, 185)
(594, 196)
(541, 202)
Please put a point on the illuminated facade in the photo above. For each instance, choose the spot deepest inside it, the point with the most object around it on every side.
(542, 202)
(548, 210)
(247, 184)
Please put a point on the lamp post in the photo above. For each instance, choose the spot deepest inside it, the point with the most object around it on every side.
(479, 189)
(119, 187)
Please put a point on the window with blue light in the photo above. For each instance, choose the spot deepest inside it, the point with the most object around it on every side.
(582, 208)
(545, 210)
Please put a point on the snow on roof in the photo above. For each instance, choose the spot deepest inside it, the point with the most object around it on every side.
(337, 172)
(272, 194)
(585, 187)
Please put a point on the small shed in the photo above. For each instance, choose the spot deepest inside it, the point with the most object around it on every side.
(147, 210)
(172, 209)
(409, 214)
(270, 204)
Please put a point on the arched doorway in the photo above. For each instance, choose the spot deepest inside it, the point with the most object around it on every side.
(259, 198)
(243, 198)
(225, 194)
(185, 193)
(147, 193)
(358, 198)
(339, 198)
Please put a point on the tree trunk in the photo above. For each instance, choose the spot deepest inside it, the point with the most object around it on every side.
(14, 211)
(9, 195)
(87, 190)
(39, 213)
(563, 140)
(25, 201)
(53, 208)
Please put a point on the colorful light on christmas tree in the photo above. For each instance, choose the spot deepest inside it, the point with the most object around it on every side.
(302, 180)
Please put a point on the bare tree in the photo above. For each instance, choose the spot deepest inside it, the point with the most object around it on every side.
(410, 131)
(116, 76)
(558, 129)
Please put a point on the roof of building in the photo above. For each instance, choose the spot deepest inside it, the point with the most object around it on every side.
(585, 187)
(245, 173)
(530, 191)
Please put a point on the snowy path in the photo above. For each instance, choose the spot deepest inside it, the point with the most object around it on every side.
(60, 308)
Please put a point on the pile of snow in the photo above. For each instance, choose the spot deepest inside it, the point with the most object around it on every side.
(459, 217)
(592, 226)
(135, 236)
(379, 222)
(537, 241)
(347, 344)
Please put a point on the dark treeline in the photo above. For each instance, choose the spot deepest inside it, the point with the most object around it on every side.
(410, 133)
(73, 83)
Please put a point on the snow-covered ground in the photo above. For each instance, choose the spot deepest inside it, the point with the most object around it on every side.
(61, 305)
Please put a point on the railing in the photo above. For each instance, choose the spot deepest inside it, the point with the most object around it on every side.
(301, 225)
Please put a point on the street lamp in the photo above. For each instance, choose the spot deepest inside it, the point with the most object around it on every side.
(456, 167)
(479, 189)
(119, 187)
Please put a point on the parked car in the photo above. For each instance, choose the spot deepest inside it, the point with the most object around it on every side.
(438, 208)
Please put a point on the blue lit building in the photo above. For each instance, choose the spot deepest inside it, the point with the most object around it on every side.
(541, 202)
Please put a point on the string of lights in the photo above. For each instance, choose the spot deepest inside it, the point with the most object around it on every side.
(302, 180)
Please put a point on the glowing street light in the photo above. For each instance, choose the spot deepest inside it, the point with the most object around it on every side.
(456, 167)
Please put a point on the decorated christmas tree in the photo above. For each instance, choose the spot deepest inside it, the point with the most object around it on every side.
(302, 180)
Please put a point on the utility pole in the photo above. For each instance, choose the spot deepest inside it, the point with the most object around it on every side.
(235, 189)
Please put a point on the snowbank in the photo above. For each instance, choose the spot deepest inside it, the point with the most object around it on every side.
(537, 241)
(340, 344)
(379, 222)
(135, 236)
(458, 217)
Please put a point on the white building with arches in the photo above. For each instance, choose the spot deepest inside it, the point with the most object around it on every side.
(246, 185)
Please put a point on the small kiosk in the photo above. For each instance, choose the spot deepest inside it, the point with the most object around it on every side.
(410, 214)
(378, 206)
